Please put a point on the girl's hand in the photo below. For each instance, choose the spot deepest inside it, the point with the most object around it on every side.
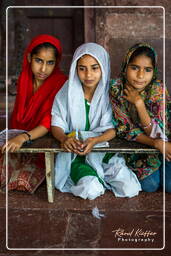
(14, 144)
(132, 95)
(71, 144)
(159, 144)
(87, 146)
(168, 151)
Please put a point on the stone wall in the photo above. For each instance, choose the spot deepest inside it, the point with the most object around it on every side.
(117, 27)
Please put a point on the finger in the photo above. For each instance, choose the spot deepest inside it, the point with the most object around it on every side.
(78, 152)
(14, 148)
(67, 148)
(7, 147)
(11, 148)
(73, 145)
(129, 88)
(68, 144)
(126, 91)
(168, 158)
(125, 97)
(87, 150)
(78, 142)
(3, 148)
(81, 153)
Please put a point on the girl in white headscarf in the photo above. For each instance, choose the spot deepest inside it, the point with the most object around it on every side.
(83, 105)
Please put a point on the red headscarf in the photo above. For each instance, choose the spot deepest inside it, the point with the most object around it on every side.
(33, 109)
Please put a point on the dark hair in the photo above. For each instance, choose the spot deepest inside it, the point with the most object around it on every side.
(146, 51)
(44, 45)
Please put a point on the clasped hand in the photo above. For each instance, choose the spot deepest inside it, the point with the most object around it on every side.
(71, 144)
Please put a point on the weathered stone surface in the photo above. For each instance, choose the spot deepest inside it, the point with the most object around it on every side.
(69, 222)
(83, 231)
(36, 228)
(165, 3)
(128, 26)
(133, 230)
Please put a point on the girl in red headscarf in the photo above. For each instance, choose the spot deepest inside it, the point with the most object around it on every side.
(37, 85)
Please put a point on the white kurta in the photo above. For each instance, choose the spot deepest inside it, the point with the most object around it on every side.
(69, 113)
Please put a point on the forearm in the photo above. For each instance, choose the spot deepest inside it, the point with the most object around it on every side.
(58, 133)
(15, 143)
(144, 139)
(106, 136)
(37, 132)
(145, 119)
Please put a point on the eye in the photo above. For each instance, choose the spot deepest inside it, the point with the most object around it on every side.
(148, 69)
(96, 68)
(51, 62)
(81, 68)
(37, 60)
(132, 67)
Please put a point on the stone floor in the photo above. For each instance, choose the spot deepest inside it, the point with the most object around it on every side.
(51, 229)
(69, 223)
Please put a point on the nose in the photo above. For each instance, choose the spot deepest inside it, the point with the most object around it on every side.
(43, 67)
(88, 73)
(140, 73)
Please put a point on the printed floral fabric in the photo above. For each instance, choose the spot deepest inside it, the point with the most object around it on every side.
(125, 117)
(23, 172)
(128, 124)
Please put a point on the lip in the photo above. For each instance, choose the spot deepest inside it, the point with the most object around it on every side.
(88, 81)
(139, 83)
(41, 75)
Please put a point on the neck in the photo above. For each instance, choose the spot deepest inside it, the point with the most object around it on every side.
(36, 84)
(88, 93)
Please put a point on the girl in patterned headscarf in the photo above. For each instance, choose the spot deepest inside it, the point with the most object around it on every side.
(138, 107)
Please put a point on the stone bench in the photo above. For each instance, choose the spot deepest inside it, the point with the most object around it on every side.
(50, 146)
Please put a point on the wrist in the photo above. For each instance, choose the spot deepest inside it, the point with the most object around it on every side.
(63, 139)
(23, 137)
(95, 140)
(158, 143)
(139, 102)
(26, 139)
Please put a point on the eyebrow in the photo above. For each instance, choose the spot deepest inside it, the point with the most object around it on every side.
(135, 65)
(42, 59)
(91, 65)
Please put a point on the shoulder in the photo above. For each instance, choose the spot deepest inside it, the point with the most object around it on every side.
(63, 91)
(116, 87)
(61, 96)
(115, 82)
(156, 91)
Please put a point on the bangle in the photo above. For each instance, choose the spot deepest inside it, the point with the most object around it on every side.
(145, 127)
(29, 136)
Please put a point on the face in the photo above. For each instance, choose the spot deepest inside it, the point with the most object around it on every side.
(89, 71)
(139, 72)
(42, 64)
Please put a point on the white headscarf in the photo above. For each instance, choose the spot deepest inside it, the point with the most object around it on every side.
(68, 110)
(69, 113)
